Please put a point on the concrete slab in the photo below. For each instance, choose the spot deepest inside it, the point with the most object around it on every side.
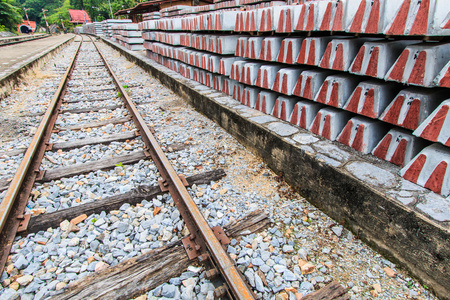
(329, 122)
(241, 46)
(368, 17)
(410, 17)
(436, 127)
(430, 169)
(412, 106)
(249, 73)
(285, 80)
(270, 48)
(436, 207)
(304, 112)
(362, 134)
(36, 51)
(263, 119)
(340, 53)
(266, 101)
(370, 98)
(398, 146)
(420, 64)
(372, 174)
(226, 65)
(304, 138)
(336, 90)
(226, 44)
(253, 48)
(283, 107)
(282, 129)
(249, 95)
(312, 16)
(289, 50)
(376, 58)
(225, 21)
(312, 50)
(309, 83)
(443, 78)
(286, 18)
(213, 63)
(237, 68)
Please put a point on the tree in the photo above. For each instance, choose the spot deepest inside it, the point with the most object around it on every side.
(36, 6)
(10, 15)
(99, 9)
(60, 13)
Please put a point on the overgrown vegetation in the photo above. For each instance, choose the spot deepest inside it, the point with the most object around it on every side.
(10, 15)
(12, 11)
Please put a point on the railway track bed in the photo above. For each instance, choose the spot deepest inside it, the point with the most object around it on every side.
(100, 217)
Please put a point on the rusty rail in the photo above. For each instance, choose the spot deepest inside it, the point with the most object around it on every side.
(13, 205)
(200, 231)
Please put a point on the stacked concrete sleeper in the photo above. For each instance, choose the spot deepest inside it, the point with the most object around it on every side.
(371, 74)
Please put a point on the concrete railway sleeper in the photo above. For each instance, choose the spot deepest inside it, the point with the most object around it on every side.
(106, 220)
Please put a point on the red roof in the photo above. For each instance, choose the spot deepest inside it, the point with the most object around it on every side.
(79, 16)
(32, 25)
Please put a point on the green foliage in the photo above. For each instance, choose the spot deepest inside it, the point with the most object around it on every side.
(99, 9)
(10, 15)
(35, 9)
(59, 13)
(119, 165)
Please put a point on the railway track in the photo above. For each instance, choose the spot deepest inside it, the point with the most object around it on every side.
(109, 103)
(98, 169)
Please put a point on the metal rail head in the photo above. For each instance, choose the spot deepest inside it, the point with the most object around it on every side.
(185, 204)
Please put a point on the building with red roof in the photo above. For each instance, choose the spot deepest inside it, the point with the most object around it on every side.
(26, 27)
(79, 16)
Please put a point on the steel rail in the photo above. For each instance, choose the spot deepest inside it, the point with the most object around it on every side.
(189, 210)
(16, 186)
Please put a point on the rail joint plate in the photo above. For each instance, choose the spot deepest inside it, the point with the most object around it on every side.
(220, 235)
(164, 186)
(192, 249)
(24, 220)
(40, 175)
